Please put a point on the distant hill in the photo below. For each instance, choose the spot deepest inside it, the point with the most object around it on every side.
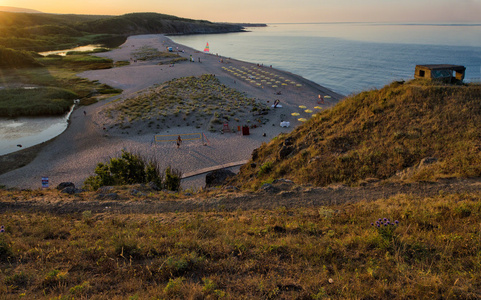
(379, 134)
(19, 10)
(42, 32)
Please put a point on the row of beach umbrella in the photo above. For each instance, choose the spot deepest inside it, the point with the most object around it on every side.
(260, 77)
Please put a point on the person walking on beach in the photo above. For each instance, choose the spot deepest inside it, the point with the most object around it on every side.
(179, 141)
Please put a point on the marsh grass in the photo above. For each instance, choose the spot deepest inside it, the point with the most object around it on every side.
(57, 74)
(309, 253)
(16, 102)
(202, 100)
(378, 133)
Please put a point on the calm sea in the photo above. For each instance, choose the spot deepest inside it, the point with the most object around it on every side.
(351, 57)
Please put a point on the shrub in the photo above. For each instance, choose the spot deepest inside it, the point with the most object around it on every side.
(132, 168)
(172, 179)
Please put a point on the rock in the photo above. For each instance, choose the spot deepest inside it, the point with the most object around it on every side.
(255, 154)
(71, 190)
(63, 185)
(137, 193)
(154, 186)
(217, 177)
(288, 141)
(427, 161)
(110, 196)
(284, 152)
(269, 188)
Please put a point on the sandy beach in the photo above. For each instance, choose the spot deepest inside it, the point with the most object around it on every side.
(90, 138)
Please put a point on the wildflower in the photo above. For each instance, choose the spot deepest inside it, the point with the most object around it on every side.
(397, 222)
(2, 228)
(372, 224)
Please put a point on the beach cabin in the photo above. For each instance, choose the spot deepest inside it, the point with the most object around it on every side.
(446, 73)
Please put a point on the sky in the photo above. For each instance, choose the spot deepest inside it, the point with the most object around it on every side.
(273, 11)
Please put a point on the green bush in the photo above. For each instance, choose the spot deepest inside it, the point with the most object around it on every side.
(132, 168)
(172, 179)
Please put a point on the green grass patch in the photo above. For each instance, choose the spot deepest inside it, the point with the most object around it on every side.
(34, 102)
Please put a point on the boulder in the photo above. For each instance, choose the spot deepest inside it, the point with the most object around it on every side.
(284, 152)
(217, 177)
(64, 185)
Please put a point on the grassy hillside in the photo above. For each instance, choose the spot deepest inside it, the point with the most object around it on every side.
(377, 133)
(42, 32)
(324, 252)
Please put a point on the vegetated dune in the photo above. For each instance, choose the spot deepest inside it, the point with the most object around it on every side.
(377, 134)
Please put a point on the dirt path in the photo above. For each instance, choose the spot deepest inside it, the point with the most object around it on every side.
(280, 194)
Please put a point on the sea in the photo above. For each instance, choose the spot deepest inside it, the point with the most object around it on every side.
(345, 57)
(350, 57)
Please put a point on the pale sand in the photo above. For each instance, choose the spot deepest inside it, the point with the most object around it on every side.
(73, 155)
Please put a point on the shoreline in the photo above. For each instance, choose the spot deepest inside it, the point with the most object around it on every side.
(73, 155)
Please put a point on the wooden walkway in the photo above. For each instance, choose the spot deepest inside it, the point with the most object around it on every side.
(210, 169)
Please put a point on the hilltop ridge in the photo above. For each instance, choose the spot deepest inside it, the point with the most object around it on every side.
(43, 32)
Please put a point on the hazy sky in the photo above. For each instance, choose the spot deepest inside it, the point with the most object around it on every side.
(270, 11)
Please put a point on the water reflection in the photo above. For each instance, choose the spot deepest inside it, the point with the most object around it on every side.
(64, 52)
(28, 132)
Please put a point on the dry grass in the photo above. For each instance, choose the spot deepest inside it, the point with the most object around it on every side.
(298, 253)
(378, 133)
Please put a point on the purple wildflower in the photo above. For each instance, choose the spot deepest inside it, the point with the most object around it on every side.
(397, 222)
(385, 219)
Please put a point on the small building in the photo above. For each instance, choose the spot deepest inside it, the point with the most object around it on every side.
(446, 73)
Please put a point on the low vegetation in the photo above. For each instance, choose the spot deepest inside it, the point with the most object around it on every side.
(150, 53)
(132, 168)
(432, 251)
(192, 101)
(377, 134)
(49, 87)
(10, 58)
(34, 101)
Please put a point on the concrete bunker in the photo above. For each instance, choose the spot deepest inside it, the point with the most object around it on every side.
(446, 73)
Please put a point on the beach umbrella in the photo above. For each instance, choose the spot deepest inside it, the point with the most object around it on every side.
(302, 106)
(302, 119)
(284, 84)
(274, 86)
(318, 107)
(314, 115)
(258, 84)
(308, 111)
(295, 114)
(327, 97)
(298, 84)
